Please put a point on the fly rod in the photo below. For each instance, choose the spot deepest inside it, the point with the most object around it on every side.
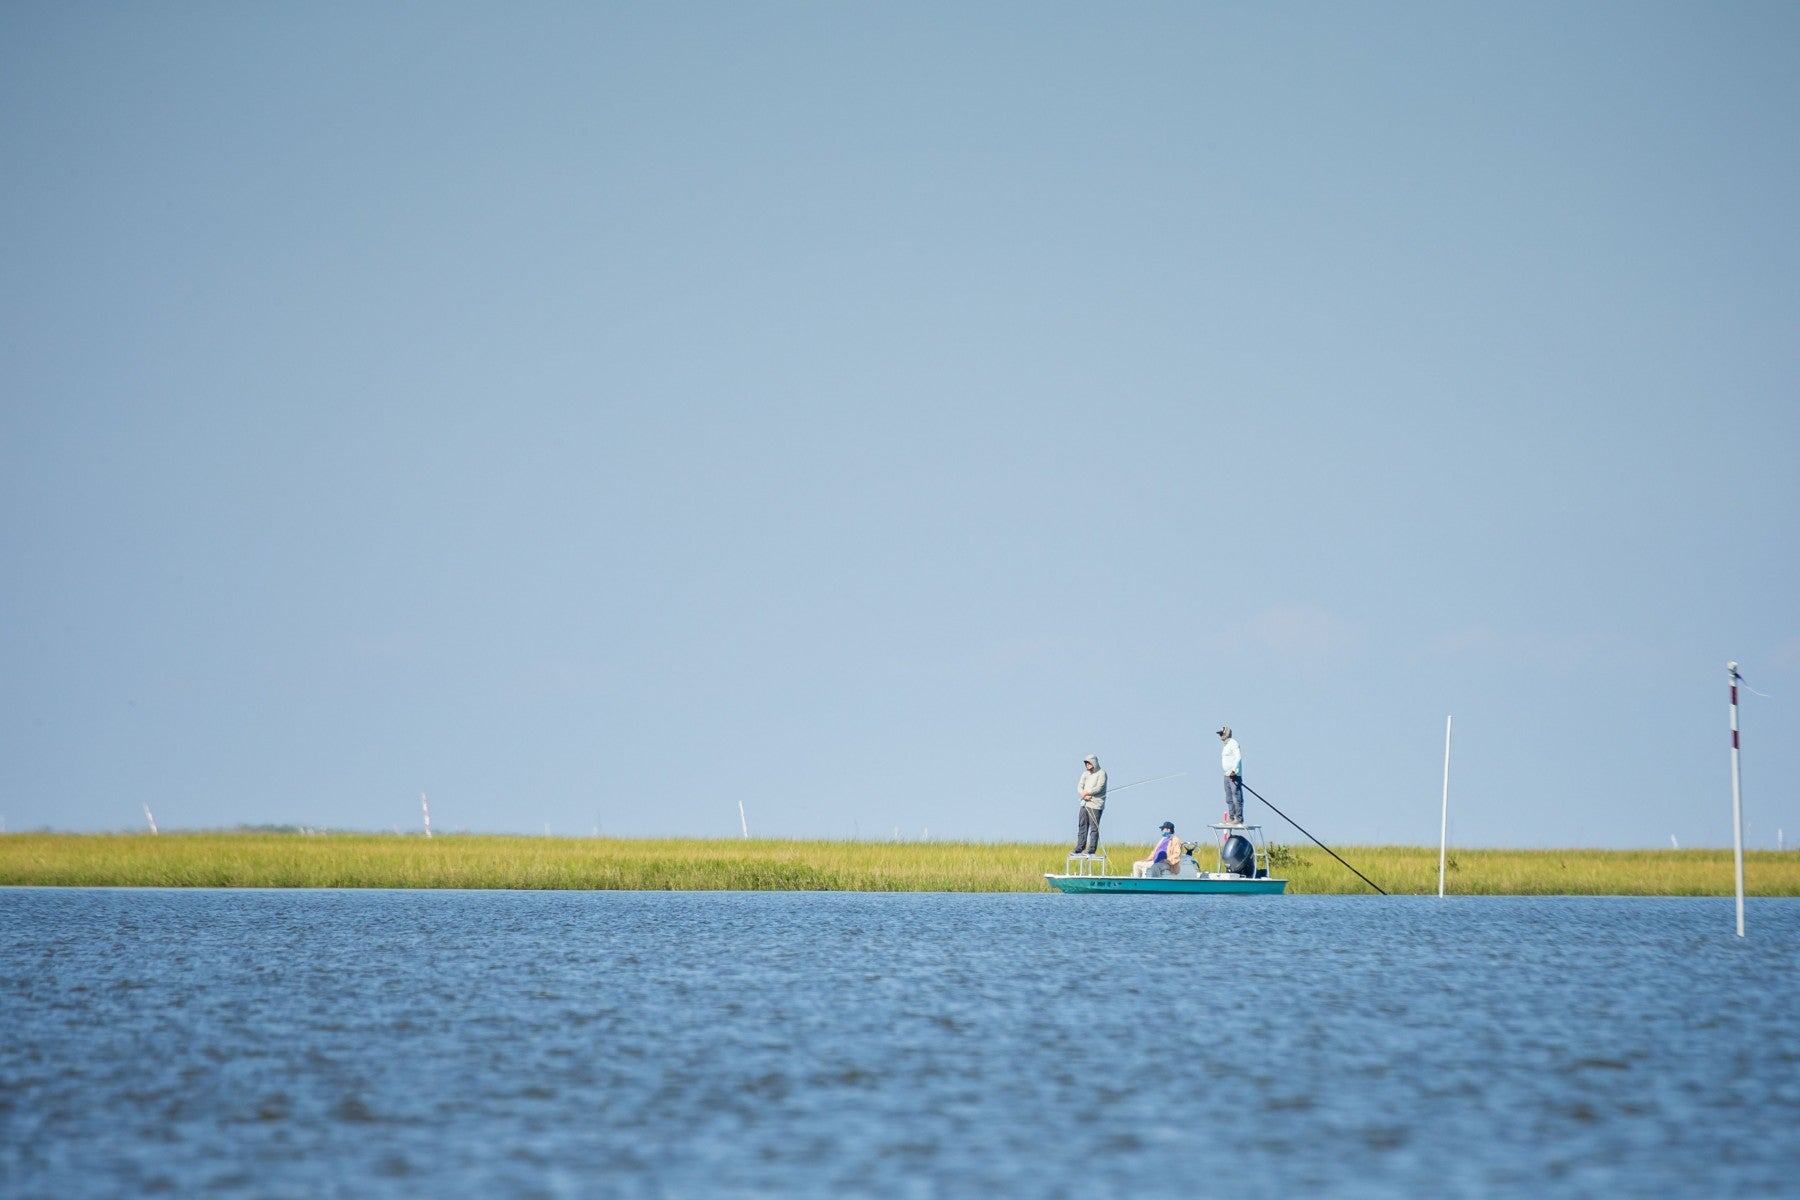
(1315, 841)
(1140, 783)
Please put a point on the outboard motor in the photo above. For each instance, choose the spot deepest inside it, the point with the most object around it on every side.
(1237, 856)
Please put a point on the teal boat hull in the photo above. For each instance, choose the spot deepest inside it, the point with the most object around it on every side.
(1167, 885)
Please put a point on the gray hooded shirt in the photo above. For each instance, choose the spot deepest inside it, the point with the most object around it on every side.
(1094, 783)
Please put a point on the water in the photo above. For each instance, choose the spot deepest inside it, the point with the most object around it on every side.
(320, 1043)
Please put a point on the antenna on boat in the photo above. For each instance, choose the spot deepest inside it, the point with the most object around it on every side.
(1737, 803)
(1315, 841)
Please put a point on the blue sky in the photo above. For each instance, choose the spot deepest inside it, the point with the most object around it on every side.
(599, 415)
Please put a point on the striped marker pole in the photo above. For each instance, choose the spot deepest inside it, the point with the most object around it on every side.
(1737, 801)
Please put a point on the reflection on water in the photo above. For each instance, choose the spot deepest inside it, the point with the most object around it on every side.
(634, 1044)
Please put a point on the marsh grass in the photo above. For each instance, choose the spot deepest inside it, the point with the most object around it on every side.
(1413, 870)
(468, 861)
(347, 860)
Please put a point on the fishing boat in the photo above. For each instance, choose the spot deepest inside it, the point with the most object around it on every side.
(1242, 869)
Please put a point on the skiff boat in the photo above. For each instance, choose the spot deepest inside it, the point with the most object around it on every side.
(1242, 869)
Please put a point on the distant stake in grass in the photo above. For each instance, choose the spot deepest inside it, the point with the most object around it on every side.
(1444, 820)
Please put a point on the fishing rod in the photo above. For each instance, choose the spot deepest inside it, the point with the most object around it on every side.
(1315, 841)
(1140, 783)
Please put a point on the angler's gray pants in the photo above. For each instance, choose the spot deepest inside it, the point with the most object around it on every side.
(1087, 830)
(1234, 797)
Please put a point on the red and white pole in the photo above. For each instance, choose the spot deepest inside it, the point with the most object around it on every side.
(1737, 801)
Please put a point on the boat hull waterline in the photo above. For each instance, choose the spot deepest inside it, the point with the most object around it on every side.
(1235, 885)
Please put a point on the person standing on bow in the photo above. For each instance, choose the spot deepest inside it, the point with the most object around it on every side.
(1232, 759)
(1092, 787)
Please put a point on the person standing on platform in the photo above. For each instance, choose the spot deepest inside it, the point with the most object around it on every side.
(1232, 759)
(1092, 787)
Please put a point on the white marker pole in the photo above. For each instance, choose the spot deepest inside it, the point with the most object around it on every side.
(743, 823)
(1444, 820)
(426, 806)
(150, 817)
(1737, 802)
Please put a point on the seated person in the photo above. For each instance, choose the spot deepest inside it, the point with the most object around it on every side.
(1165, 859)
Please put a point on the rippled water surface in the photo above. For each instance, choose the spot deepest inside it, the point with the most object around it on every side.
(254, 1043)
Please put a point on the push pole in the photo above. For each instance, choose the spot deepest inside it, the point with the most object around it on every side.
(1737, 800)
(1444, 821)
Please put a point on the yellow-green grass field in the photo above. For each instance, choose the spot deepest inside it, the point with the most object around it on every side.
(354, 860)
